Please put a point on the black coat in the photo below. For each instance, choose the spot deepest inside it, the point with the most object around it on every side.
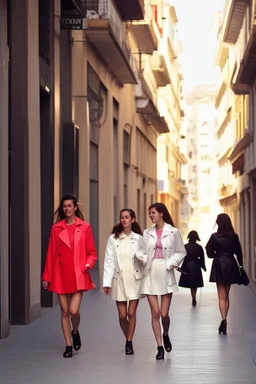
(192, 264)
(224, 266)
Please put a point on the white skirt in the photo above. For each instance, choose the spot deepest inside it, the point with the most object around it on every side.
(126, 287)
(155, 282)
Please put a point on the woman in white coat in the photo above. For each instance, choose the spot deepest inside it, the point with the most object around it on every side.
(123, 272)
(163, 251)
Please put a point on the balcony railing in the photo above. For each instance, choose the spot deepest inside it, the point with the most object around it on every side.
(106, 31)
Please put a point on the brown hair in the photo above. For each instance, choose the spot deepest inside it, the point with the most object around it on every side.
(118, 228)
(59, 213)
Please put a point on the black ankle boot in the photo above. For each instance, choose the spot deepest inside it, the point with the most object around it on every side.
(160, 353)
(76, 340)
(68, 351)
(129, 348)
(167, 343)
(223, 327)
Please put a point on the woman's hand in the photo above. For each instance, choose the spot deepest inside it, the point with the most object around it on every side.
(107, 290)
(45, 284)
(87, 267)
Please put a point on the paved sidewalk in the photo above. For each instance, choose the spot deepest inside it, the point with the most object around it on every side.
(33, 353)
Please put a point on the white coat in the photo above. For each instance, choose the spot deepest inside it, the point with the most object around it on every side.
(173, 250)
(112, 261)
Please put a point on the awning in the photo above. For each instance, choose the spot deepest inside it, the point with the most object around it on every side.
(147, 108)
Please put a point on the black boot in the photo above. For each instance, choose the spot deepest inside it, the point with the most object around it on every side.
(76, 340)
(68, 351)
(223, 327)
(129, 348)
(160, 353)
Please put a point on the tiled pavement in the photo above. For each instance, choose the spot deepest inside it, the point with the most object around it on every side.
(33, 353)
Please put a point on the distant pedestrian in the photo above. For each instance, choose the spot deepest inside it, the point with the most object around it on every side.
(71, 254)
(221, 247)
(123, 272)
(193, 263)
(163, 250)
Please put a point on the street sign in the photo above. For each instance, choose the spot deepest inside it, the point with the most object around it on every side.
(78, 23)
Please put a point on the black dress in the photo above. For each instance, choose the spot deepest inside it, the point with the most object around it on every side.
(224, 266)
(192, 264)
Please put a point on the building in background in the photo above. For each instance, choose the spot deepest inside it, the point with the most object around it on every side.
(200, 117)
(80, 113)
(236, 47)
(171, 152)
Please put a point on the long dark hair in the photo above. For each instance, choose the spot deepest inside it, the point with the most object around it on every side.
(161, 208)
(118, 228)
(59, 213)
(225, 227)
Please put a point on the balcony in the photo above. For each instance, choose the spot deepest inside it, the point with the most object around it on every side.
(234, 16)
(240, 146)
(246, 72)
(160, 69)
(151, 114)
(130, 10)
(146, 32)
(105, 32)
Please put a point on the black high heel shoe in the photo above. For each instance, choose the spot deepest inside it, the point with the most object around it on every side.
(167, 343)
(129, 348)
(223, 327)
(68, 352)
(76, 340)
(160, 353)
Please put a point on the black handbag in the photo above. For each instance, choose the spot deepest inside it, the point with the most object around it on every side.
(243, 278)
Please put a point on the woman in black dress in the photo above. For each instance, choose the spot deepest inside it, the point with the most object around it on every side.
(221, 247)
(192, 264)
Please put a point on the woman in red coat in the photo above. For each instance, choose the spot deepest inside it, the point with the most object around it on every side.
(71, 254)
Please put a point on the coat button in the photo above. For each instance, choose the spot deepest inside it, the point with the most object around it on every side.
(137, 271)
(59, 263)
(58, 254)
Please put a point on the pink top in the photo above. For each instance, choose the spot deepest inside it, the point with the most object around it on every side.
(159, 247)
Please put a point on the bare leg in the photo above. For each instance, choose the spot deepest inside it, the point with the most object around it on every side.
(223, 294)
(123, 320)
(165, 306)
(193, 292)
(132, 307)
(75, 302)
(65, 318)
(155, 316)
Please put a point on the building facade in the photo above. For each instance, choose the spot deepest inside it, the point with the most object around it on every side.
(237, 37)
(171, 153)
(79, 113)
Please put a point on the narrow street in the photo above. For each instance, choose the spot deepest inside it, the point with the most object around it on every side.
(33, 353)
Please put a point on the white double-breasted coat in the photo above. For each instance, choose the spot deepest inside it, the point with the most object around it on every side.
(113, 262)
(173, 251)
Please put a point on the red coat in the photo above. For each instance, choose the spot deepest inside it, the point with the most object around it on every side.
(59, 251)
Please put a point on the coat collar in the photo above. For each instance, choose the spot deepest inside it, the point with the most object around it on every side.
(62, 223)
(133, 235)
(63, 234)
(167, 229)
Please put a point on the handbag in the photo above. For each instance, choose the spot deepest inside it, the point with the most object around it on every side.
(243, 278)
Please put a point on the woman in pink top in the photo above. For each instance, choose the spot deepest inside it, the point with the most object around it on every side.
(163, 250)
